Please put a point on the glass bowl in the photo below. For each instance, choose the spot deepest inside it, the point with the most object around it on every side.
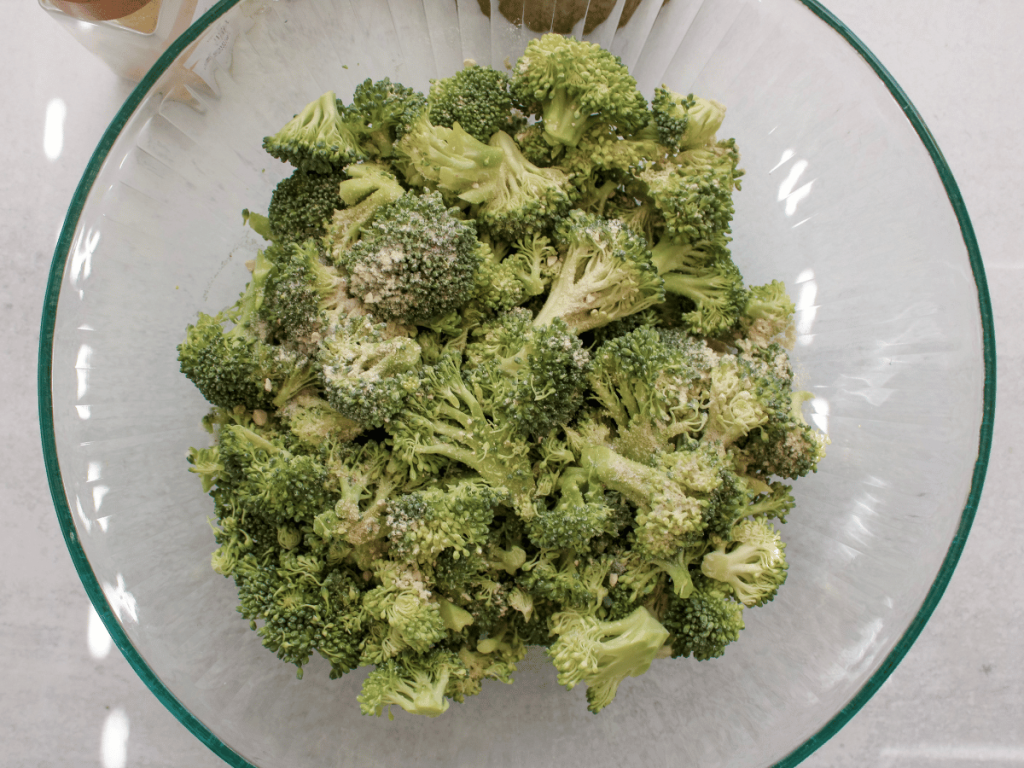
(846, 197)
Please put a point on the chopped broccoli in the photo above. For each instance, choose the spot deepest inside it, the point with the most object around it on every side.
(415, 261)
(571, 84)
(604, 653)
(753, 563)
(318, 139)
(606, 274)
(685, 122)
(476, 98)
(494, 385)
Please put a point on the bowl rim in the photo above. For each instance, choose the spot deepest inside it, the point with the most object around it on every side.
(95, 591)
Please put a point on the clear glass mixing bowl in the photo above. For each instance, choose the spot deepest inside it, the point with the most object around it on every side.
(846, 198)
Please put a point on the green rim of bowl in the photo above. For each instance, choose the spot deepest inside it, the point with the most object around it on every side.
(95, 591)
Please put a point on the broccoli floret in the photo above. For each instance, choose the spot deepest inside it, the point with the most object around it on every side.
(299, 291)
(476, 98)
(367, 374)
(269, 481)
(753, 563)
(669, 515)
(302, 204)
(415, 261)
(784, 444)
(768, 315)
(313, 422)
(652, 390)
(577, 517)
(383, 111)
(318, 139)
(416, 683)
(511, 196)
(239, 366)
(685, 122)
(535, 375)
(368, 189)
(604, 653)
(571, 84)
(426, 522)
(606, 274)
(445, 419)
(705, 275)
(694, 193)
(704, 623)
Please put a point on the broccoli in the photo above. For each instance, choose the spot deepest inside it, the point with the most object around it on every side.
(318, 139)
(415, 261)
(753, 563)
(476, 98)
(693, 194)
(299, 291)
(302, 204)
(604, 653)
(382, 112)
(685, 122)
(424, 523)
(537, 375)
(369, 188)
(512, 197)
(493, 385)
(704, 623)
(606, 274)
(416, 683)
(570, 84)
(367, 374)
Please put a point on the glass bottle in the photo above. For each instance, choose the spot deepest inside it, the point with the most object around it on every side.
(129, 35)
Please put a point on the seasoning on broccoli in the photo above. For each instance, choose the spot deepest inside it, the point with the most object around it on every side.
(494, 385)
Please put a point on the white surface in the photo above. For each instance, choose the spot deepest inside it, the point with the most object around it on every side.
(67, 697)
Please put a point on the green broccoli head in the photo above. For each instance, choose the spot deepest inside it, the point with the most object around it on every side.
(571, 84)
(606, 274)
(685, 122)
(535, 375)
(418, 683)
(693, 194)
(318, 139)
(298, 292)
(753, 564)
(302, 204)
(383, 112)
(604, 653)
(367, 373)
(651, 386)
(425, 523)
(476, 98)
(415, 261)
(368, 188)
(703, 624)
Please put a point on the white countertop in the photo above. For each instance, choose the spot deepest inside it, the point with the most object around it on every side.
(68, 698)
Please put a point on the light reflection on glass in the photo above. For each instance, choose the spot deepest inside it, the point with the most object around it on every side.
(121, 600)
(805, 307)
(86, 522)
(84, 411)
(94, 471)
(81, 258)
(114, 739)
(97, 636)
(98, 492)
(82, 365)
(53, 128)
(821, 411)
(788, 190)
